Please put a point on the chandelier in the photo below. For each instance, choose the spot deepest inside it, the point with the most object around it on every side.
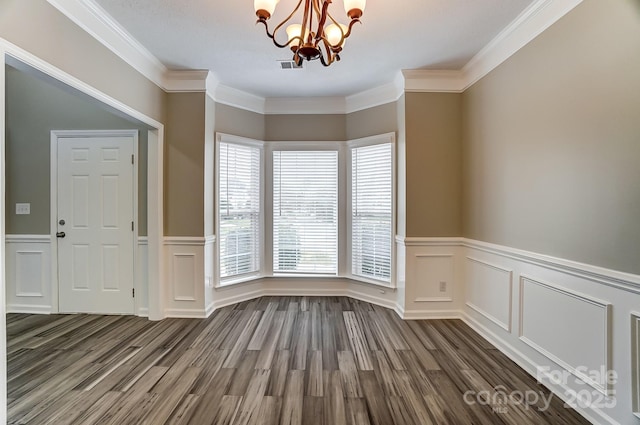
(317, 35)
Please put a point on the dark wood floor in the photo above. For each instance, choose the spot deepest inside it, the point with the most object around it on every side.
(274, 360)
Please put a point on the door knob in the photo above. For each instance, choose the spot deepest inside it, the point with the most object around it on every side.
(60, 235)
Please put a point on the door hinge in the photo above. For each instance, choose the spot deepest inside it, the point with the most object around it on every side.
(132, 161)
(133, 292)
(132, 226)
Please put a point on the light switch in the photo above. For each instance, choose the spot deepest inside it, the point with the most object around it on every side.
(23, 209)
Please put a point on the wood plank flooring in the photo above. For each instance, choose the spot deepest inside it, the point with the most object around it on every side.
(273, 360)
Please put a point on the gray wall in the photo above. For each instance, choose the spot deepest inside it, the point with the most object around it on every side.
(239, 122)
(184, 164)
(34, 108)
(325, 127)
(552, 142)
(433, 125)
(42, 30)
(401, 160)
(372, 121)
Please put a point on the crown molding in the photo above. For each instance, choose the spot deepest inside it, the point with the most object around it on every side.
(433, 81)
(539, 16)
(233, 97)
(92, 18)
(305, 105)
(186, 81)
(536, 18)
(376, 96)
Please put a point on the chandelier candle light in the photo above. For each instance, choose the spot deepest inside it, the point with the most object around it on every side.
(308, 40)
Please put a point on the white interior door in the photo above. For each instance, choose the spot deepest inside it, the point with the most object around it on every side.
(95, 224)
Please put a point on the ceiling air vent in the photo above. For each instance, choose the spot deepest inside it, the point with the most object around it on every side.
(289, 65)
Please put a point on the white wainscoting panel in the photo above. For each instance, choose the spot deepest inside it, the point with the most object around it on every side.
(430, 272)
(635, 363)
(184, 259)
(183, 276)
(28, 274)
(570, 329)
(489, 291)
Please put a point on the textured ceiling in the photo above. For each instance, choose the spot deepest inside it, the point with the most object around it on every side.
(403, 34)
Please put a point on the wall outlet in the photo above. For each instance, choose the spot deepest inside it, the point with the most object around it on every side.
(23, 209)
(443, 286)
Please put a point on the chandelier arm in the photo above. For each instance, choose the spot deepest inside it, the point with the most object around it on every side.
(351, 24)
(342, 32)
(331, 57)
(273, 38)
(281, 24)
(323, 19)
(305, 18)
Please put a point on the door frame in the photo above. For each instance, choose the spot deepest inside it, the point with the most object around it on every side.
(55, 135)
(20, 58)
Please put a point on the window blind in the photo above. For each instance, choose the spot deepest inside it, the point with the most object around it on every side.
(239, 209)
(372, 211)
(305, 212)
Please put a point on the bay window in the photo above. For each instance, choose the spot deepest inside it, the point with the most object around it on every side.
(239, 209)
(305, 212)
(306, 209)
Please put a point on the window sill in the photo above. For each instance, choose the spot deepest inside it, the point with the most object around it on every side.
(236, 281)
(361, 279)
(258, 278)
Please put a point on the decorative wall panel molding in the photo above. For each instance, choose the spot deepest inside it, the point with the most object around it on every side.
(184, 260)
(433, 278)
(28, 274)
(489, 291)
(568, 328)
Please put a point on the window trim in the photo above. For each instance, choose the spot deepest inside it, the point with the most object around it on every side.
(344, 270)
(232, 280)
(332, 146)
(357, 143)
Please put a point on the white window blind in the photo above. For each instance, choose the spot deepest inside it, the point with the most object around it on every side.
(372, 211)
(305, 212)
(239, 209)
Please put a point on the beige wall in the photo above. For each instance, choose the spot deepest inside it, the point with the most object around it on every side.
(552, 142)
(184, 165)
(239, 122)
(209, 166)
(372, 121)
(433, 123)
(36, 26)
(401, 168)
(34, 108)
(325, 127)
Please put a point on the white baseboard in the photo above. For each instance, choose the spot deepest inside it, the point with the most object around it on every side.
(299, 292)
(235, 299)
(560, 390)
(177, 313)
(29, 309)
(431, 314)
(370, 299)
